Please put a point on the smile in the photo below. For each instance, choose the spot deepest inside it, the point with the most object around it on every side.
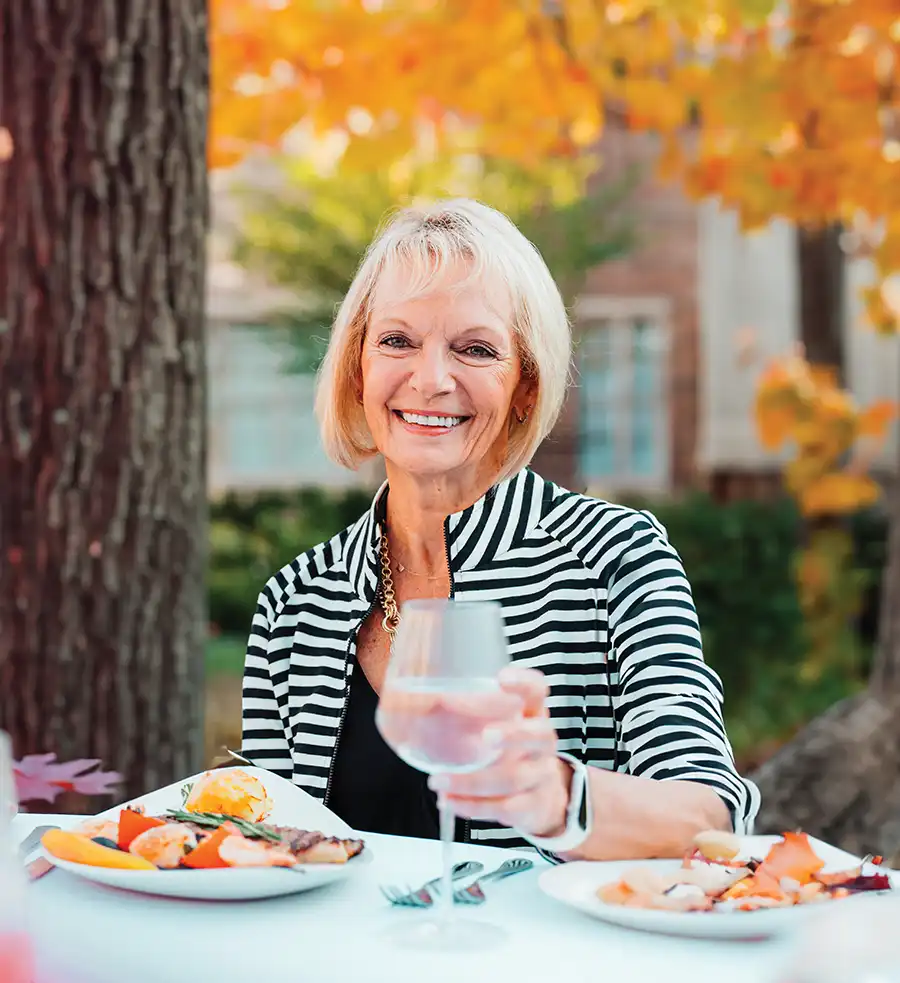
(431, 420)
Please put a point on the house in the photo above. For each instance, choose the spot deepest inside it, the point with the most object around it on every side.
(671, 340)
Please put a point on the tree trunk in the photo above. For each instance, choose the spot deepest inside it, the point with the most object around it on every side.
(103, 214)
(820, 268)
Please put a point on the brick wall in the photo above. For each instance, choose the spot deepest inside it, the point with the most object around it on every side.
(663, 265)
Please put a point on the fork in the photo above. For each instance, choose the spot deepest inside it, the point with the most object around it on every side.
(405, 898)
(31, 842)
(472, 893)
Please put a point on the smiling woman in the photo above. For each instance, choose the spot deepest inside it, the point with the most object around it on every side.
(449, 357)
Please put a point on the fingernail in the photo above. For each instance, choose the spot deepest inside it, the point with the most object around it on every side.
(438, 783)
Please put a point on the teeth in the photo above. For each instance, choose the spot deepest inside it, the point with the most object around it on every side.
(431, 421)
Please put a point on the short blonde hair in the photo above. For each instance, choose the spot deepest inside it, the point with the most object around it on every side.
(429, 239)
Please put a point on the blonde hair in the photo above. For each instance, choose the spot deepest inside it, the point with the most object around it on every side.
(427, 240)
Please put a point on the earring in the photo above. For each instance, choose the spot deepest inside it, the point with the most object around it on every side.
(523, 418)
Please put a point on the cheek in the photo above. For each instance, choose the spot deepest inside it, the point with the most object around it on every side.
(495, 391)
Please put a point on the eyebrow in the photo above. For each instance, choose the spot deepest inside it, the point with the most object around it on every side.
(473, 329)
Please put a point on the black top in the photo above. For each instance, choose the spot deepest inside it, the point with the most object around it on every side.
(372, 789)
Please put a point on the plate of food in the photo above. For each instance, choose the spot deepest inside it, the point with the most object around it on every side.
(726, 887)
(229, 834)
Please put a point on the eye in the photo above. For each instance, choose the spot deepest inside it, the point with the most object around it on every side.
(396, 341)
(479, 351)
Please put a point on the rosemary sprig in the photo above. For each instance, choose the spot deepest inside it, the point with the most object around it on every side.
(212, 820)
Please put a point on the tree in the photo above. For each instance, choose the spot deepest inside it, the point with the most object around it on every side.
(777, 109)
(103, 214)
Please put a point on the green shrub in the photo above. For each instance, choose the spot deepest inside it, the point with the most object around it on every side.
(251, 537)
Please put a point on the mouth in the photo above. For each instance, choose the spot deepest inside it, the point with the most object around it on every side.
(430, 422)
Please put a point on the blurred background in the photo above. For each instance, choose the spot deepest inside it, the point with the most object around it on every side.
(716, 188)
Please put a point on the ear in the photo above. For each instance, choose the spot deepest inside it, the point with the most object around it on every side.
(524, 399)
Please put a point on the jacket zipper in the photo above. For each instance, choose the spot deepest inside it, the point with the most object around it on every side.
(345, 701)
(467, 829)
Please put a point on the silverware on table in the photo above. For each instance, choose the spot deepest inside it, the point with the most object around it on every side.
(35, 867)
(472, 893)
(32, 840)
(422, 898)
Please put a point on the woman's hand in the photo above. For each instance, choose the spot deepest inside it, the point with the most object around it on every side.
(527, 788)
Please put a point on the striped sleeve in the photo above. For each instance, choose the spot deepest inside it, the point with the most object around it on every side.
(670, 700)
(264, 738)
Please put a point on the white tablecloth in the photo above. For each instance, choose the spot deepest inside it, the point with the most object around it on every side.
(85, 933)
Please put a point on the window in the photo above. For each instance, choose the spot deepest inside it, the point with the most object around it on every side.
(623, 393)
(263, 430)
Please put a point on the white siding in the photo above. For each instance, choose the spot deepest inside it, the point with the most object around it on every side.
(873, 361)
(748, 288)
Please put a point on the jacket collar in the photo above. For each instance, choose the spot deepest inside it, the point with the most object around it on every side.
(475, 536)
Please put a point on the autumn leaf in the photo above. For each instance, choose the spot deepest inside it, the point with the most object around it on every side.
(41, 777)
(875, 419)
(838, 493)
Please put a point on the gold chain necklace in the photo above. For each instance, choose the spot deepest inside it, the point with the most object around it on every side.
(391, 619)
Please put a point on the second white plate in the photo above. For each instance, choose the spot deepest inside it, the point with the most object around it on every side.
(575, 884)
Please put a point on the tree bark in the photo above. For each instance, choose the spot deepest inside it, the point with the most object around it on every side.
(103, 214)
(820, 267)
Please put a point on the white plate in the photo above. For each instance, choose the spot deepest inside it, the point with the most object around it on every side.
(291, 806)
(575, 884)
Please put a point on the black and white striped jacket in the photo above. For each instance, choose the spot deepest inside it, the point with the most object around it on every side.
(593, 595)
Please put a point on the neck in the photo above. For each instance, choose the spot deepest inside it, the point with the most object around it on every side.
(416, 509)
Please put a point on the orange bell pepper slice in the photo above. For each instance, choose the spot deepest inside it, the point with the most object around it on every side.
(205, 856)
(132, 824)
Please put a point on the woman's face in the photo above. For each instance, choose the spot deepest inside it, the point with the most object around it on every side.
(441, 375)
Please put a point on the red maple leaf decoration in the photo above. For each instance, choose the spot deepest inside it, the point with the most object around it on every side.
(40, 777)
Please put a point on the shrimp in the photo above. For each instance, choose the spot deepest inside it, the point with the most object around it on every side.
(164, 846)
(98, 826)
(238, 851)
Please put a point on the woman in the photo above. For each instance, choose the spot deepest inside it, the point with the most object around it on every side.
(449, 357)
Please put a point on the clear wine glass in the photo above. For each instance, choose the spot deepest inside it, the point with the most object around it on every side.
(16, 962)
(439, 696)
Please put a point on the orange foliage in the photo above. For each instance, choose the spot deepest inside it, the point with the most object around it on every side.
(798, 103)
(834, 439)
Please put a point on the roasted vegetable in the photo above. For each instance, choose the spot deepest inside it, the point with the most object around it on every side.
(78, 849)
(132, 823)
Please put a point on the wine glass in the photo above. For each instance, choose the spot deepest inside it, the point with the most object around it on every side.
(16, 963)
(440, 694)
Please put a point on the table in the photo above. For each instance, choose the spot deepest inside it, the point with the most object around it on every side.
(85, 933)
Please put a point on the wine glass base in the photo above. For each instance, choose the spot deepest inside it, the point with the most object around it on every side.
(453, 935)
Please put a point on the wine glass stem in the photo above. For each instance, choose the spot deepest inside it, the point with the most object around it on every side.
(448, 825)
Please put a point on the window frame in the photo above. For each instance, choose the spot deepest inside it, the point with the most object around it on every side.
(620, 315)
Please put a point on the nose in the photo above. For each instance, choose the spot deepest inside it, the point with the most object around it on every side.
(432, 373)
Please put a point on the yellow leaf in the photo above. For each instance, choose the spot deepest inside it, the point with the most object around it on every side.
(875, 419)
(838, 493)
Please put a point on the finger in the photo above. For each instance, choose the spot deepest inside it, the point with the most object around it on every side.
(487, 707)
(523, 810)
(509, 777)
(529, 685)
(535, 735)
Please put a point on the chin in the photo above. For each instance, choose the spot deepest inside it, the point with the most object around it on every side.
(419, 462)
